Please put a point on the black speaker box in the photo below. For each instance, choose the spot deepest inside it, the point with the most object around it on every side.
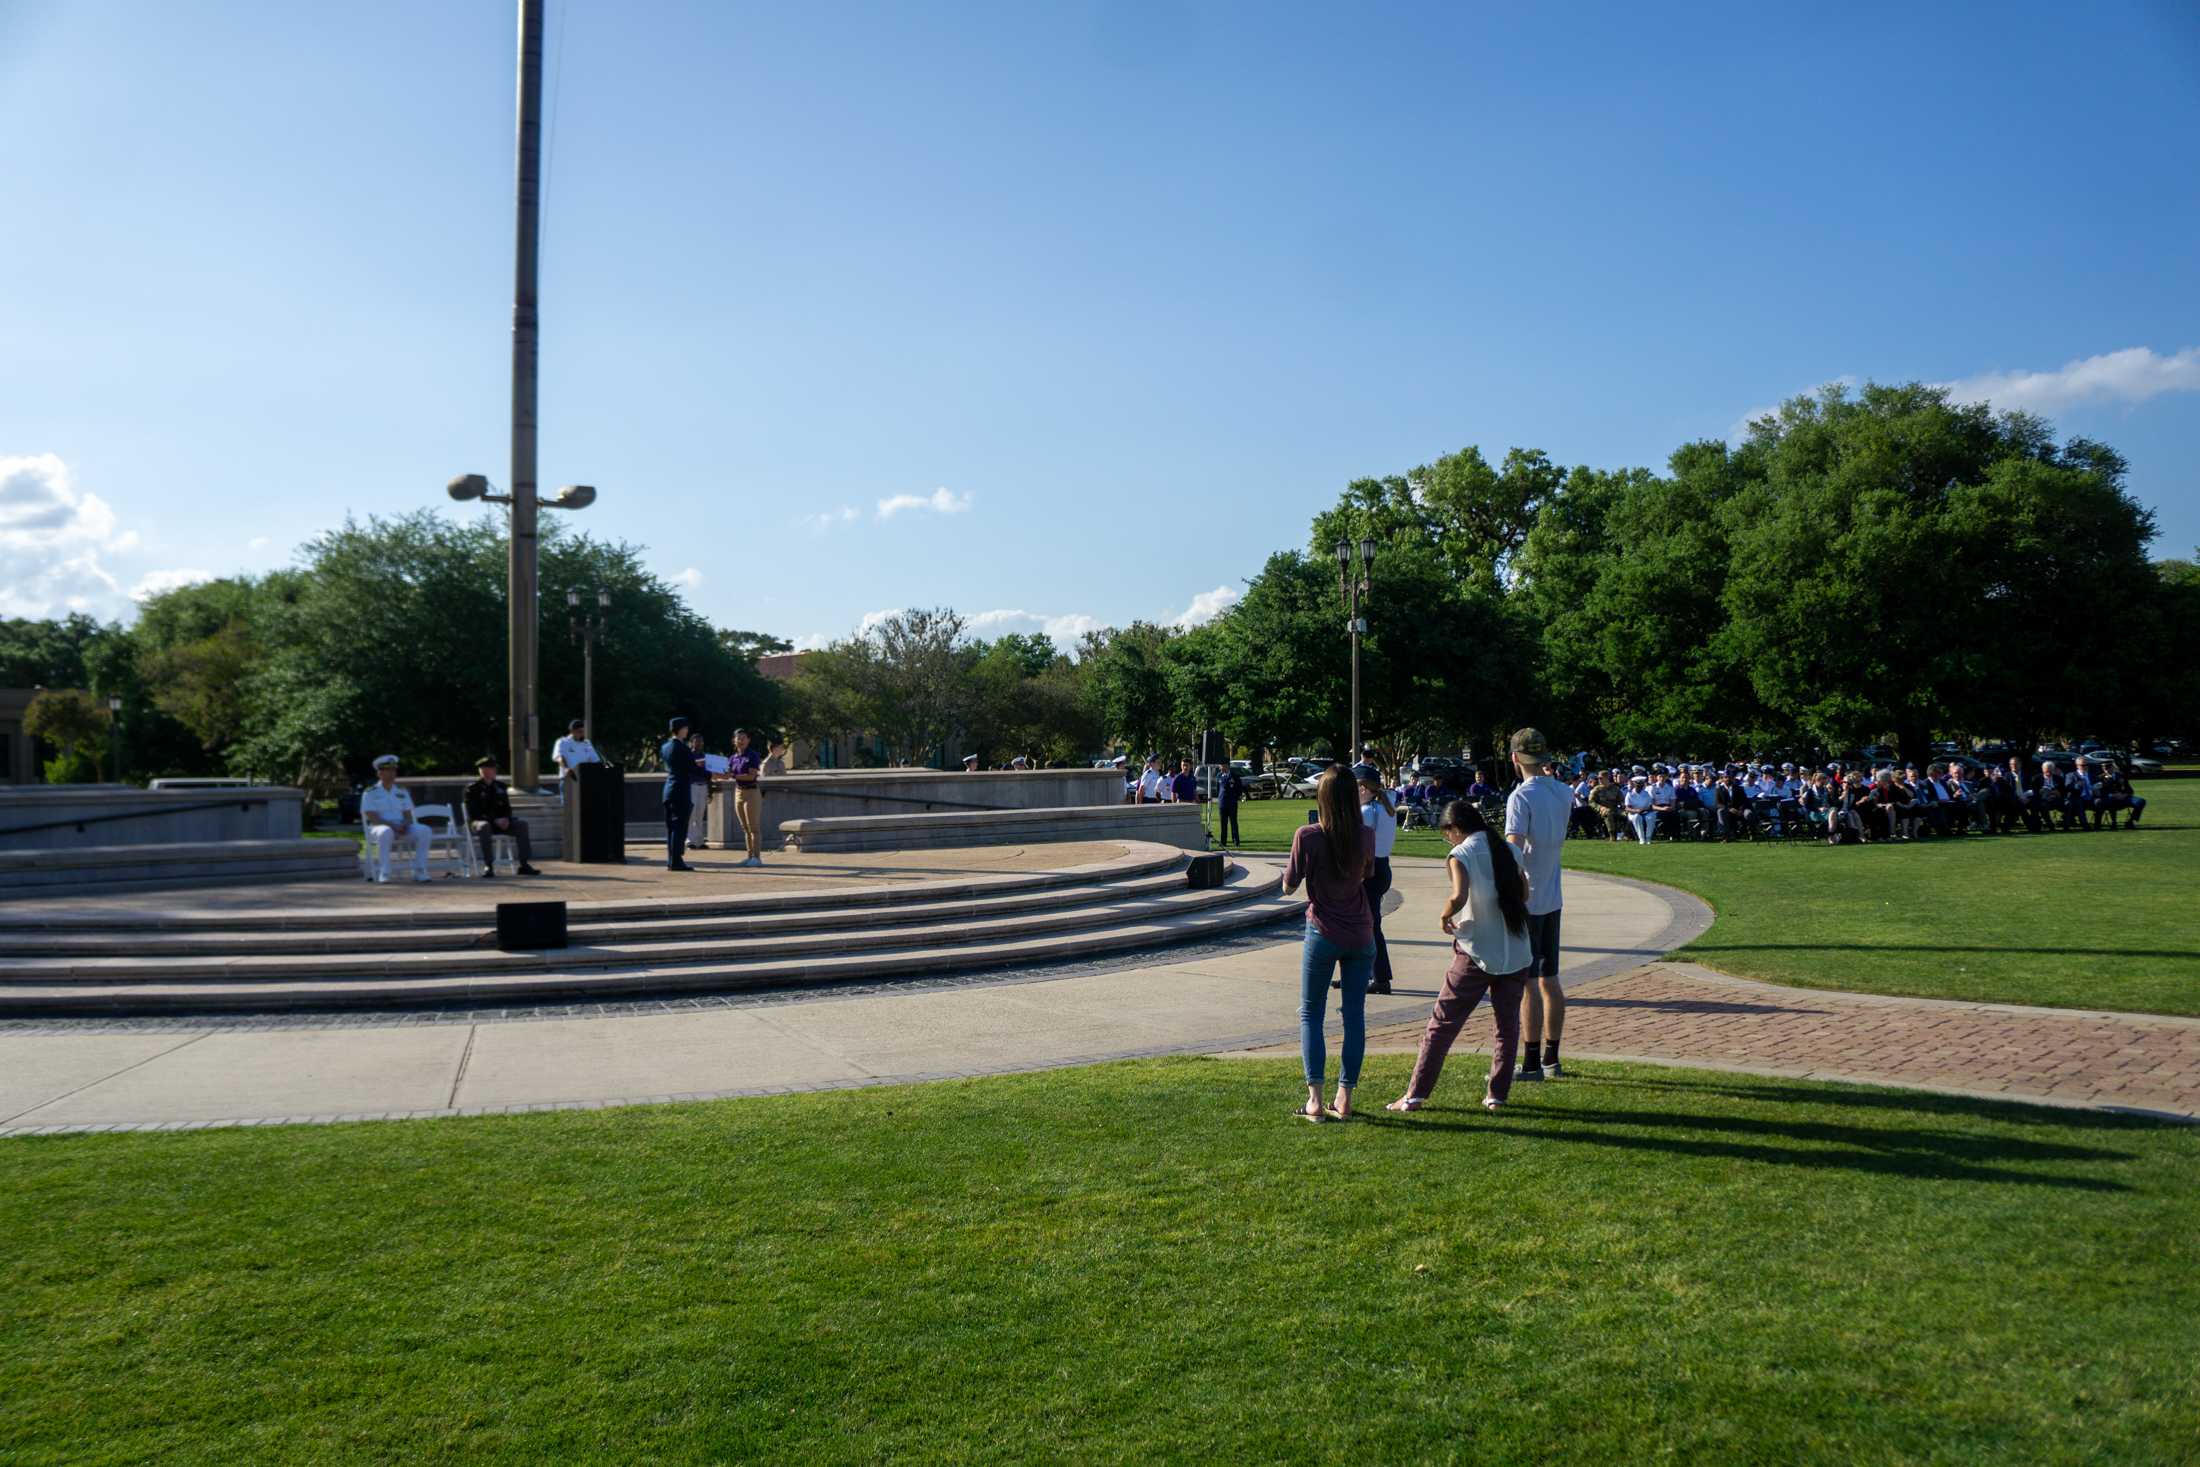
(530, 926)
(1206, 870)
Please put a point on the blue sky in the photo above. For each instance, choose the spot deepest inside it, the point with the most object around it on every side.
(1061, 314)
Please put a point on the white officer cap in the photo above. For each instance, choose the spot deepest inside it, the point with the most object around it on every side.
(387, 761)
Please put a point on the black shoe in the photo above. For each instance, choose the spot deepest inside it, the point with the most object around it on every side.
(528, 871)
(681, 866)
(1379, 988)
(487, 872)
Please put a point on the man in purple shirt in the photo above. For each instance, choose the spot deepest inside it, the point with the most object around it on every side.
(1184, 789)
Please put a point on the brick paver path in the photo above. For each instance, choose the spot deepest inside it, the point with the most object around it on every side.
(1680, 1012)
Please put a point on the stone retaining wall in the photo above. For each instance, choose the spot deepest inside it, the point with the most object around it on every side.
(1175, 825)
(152, 817)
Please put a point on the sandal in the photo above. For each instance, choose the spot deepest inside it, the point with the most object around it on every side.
(1341, 1107)
(1312, 1111)
(1406, 1103)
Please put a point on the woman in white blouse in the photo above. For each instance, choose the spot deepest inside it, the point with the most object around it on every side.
(1487, 919)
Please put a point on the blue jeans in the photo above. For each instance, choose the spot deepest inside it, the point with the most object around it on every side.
(1315, 964)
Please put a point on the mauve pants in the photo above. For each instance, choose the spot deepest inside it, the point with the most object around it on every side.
(1464, 984)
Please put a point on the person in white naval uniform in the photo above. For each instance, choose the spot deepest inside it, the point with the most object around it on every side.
(386, 812)
(574, 750)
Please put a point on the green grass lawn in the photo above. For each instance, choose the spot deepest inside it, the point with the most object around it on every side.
(2104, 919)
(1144, 1261)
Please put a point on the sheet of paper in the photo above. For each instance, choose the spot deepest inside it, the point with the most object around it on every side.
(715, 763)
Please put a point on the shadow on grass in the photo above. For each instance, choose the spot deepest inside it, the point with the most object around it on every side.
(1700, 946)
(1923, 1102)
(1925, 1155)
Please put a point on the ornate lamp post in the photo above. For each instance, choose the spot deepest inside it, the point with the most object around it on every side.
(585, 628)
(1353, 587)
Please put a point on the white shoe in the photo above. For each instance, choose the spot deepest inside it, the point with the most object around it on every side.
(1552, 1069)
(423, 877)
(1492, 1103)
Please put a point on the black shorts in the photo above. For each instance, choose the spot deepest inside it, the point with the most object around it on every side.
(1543, 937)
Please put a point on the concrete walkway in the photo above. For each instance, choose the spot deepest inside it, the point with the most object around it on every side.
(110, 1078)
(1624, 1004)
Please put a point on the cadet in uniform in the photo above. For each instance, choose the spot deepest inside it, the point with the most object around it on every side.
(682, 770)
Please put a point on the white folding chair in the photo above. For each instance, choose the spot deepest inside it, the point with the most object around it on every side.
(454, 838)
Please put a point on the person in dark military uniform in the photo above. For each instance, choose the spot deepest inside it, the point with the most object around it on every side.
(683, 769)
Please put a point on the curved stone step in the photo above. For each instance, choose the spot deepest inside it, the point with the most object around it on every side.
(1006, 923)
(62, 947)
(1139, 858)
(572, 983)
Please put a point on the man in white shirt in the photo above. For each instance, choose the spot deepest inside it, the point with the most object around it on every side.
(1537, 813)
(386, 813)
(574, 750)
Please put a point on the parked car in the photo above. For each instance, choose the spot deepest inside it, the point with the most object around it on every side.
(2138, 766)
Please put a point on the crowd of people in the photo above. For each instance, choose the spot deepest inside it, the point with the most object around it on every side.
(1858, 804)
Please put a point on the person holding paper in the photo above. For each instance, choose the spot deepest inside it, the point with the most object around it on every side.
(748, 800)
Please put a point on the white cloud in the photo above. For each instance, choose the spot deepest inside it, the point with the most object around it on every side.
(810, 641)
(258, 542)
(2131, 375)
(873, 618)
(52, 538)
(152, 583)
(690, 578)
(827, 519)
(1206, 606)
(1064, 628)
(939, 501)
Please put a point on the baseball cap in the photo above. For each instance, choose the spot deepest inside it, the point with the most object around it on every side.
(1528, 743)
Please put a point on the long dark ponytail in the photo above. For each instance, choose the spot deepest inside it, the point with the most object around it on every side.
(1512, 884)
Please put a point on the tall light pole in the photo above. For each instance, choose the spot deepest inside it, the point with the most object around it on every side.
(526, 257)
(586, 628)
(1353, 587)
(525, 617)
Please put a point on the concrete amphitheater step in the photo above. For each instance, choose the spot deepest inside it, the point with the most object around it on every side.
(1008, 920)
(50, 952)
(1140, 858)
(1250, 900)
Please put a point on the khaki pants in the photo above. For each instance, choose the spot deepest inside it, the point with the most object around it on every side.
(748, 803)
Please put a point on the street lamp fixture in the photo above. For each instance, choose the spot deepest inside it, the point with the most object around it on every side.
(521, 589)
(1353, 585)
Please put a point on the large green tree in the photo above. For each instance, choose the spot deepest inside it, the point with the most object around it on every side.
(1902, 563)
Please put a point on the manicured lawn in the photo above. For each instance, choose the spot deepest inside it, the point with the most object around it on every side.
(2105, 919)
(1141, 1262)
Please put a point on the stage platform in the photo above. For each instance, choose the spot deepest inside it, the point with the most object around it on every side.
(636, 929)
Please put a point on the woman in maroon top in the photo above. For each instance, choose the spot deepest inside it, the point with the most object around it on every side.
(1332, 859)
